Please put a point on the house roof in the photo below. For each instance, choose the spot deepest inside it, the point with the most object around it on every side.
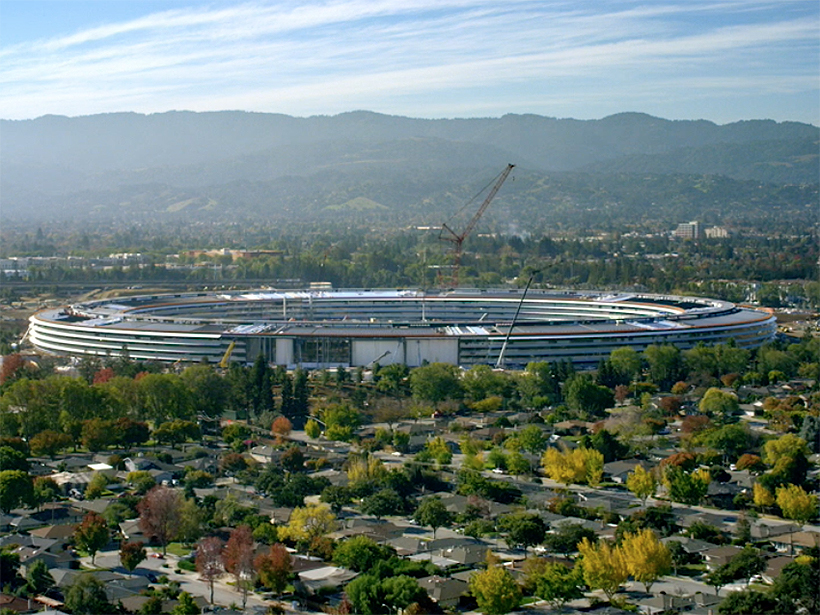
(442, 589)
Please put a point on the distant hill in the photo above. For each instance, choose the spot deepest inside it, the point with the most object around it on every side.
(237, 163)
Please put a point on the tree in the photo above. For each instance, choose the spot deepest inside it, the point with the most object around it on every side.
(209, 562)
(12, 459)
(798, 586)
(87, 597)
(646, 557)
(45, 489)
(787, 446)
(177, 431)
(761, 496)
(523, 529)
(586, 397)
(573, 466)
(719, 404)
(312, 429)
(641, 483)
(748, 601)
(665, 364)
(436, 382)
(92, 534)
(185, 605)
(209, 391)
(49, 443)
(432, 513)
(686, 487)
(281, 427)
(16, 489)
(132, 554)
(160, 514)
(238, 558)
(603, 566)
(558, 584)
(309, 522)
(626, 361)
(383, 502)
(566, 537)
(731, 440)
(39, 579)
(96, 486)
(361, 553)
(796, 504)
(372, 595)
(495, 590)
(274, 568)
(97, 434)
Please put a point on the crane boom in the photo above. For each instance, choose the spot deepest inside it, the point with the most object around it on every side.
(457, 239)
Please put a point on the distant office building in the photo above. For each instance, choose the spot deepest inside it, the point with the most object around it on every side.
(688, 230)
(716, 232)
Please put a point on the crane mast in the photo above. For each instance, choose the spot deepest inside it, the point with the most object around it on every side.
(457, 239)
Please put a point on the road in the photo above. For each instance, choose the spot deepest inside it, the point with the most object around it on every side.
(224, 594)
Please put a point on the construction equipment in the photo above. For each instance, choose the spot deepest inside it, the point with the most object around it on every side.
(226, 358)
(457, 239)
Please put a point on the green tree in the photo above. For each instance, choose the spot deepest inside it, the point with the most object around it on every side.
(626, 361)
(523, 529)
(87, 597)
(432, 513)
(495, 590)
(586, 397)
(748, 601)
(665, 365)
(720, 405)
(731, 440)
(209, 391)
(177, 431)
(685, 487)
(45, 489)
(185, 605)
(312, 429)
(16, 489)
(361, 553)
(39, 579)
(558, 584)
(436, 382)
(382, 503)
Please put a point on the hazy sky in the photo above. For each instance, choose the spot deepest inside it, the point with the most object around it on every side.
(722, 60)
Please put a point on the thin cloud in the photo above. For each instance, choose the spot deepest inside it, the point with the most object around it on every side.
(398, 56)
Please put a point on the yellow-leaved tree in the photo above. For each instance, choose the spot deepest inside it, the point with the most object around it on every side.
(796, 504)
(580, 465)
(603, 565)
(365, 469)
(642, 483)
(762, 497)
(309, 522)
(495, 590)
(647, 558)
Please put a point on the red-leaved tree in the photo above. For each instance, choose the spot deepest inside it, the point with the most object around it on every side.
(275, 568)
(160, 516)
(209, 562)
(238, 558)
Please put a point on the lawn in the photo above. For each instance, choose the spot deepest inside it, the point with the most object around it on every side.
(178, 549)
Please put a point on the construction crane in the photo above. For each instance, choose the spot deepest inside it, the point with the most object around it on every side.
(457, 239)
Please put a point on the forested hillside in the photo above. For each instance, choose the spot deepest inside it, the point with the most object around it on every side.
(238, 166)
